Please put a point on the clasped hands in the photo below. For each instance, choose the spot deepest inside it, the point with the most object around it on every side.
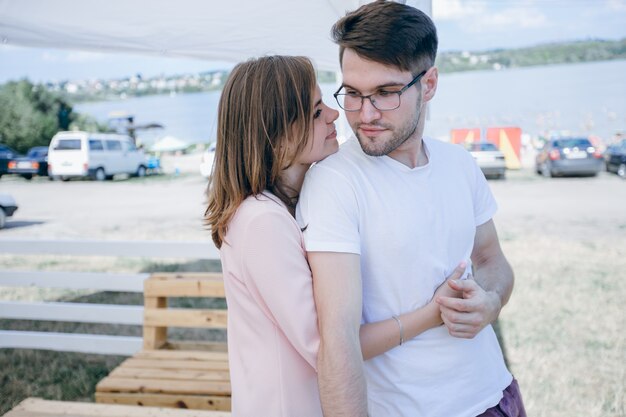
(466, 308)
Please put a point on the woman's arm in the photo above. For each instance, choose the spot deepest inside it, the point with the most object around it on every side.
(381, 336)
(278, 279)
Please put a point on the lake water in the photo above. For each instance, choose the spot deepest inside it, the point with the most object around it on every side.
(586, 99)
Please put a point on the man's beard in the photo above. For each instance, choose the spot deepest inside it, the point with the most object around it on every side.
(398, 136)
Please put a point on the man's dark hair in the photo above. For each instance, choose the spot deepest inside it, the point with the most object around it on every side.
(389, 33)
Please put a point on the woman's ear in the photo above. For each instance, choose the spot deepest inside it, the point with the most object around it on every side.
(429, 83)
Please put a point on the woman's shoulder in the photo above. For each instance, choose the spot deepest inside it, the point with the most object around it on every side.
(262, 219)
(262, 208)
(265, 201)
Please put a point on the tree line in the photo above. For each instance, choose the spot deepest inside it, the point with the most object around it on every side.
(30, 115)
(546, 54)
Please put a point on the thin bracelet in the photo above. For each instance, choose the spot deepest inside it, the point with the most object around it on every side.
(397, 319)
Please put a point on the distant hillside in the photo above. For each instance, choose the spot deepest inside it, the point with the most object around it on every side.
(76, 91)
(547, 54)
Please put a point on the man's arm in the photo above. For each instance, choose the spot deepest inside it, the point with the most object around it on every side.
(492, 270)
(486, 294)
(338, 298)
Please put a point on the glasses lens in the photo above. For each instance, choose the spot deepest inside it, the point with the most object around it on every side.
(349, 102)
(386, 101)
(382, 101)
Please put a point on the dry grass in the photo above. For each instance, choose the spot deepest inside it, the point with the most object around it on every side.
(564, 327)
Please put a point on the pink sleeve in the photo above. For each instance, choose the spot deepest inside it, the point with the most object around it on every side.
(280, 279)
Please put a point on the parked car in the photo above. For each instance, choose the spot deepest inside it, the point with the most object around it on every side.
(7, 208)
(489, 158)
(95, 155)
(615, 158)
(206, 163)
(34, 163)
(568, 156)
(153, 164)
(6, 154)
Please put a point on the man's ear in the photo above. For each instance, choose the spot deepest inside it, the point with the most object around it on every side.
(429, 83)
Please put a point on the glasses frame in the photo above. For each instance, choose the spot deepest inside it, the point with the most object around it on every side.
(369, 97)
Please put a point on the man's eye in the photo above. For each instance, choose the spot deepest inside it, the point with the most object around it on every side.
(384, 93)
(352, 93)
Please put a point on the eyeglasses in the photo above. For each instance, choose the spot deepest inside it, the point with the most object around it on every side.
(382, 100)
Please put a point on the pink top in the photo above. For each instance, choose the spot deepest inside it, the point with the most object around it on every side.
(272, 323)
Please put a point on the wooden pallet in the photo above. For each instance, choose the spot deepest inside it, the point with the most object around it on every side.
(36, 407)
(167, 374)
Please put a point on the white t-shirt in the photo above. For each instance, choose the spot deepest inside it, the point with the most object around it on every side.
(411, 228)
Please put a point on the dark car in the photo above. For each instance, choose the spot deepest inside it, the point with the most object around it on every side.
(615, 158)
(568, 156)
(34, 163)
(6, 154)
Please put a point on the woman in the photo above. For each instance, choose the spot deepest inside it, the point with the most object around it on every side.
(272, 125)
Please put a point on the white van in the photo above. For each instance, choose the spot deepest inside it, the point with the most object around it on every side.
(95, 155)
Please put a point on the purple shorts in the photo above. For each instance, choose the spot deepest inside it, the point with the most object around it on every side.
(510, 405)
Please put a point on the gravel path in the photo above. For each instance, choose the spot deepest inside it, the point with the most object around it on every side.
(161, 208)
(171, 208)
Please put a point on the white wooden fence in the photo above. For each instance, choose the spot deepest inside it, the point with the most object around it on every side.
(82, 312)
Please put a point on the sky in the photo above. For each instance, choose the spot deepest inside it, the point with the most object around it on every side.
(471, 25)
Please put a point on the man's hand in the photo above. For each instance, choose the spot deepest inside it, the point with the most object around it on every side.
(465, 317)
(445, 290)
(483, 297)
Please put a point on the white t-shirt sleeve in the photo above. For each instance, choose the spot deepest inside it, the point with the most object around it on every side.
(328, 212)
(485, 205)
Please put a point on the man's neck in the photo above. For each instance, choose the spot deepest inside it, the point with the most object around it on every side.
(411, 153)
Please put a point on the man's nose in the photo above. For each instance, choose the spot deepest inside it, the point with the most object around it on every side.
(368, 112)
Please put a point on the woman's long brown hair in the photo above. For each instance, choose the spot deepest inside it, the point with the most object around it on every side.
(265, 115)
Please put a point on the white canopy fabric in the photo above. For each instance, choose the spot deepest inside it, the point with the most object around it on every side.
(224, 31)
(169, 144)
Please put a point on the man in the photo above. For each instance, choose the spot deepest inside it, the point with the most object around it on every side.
(386, 219)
